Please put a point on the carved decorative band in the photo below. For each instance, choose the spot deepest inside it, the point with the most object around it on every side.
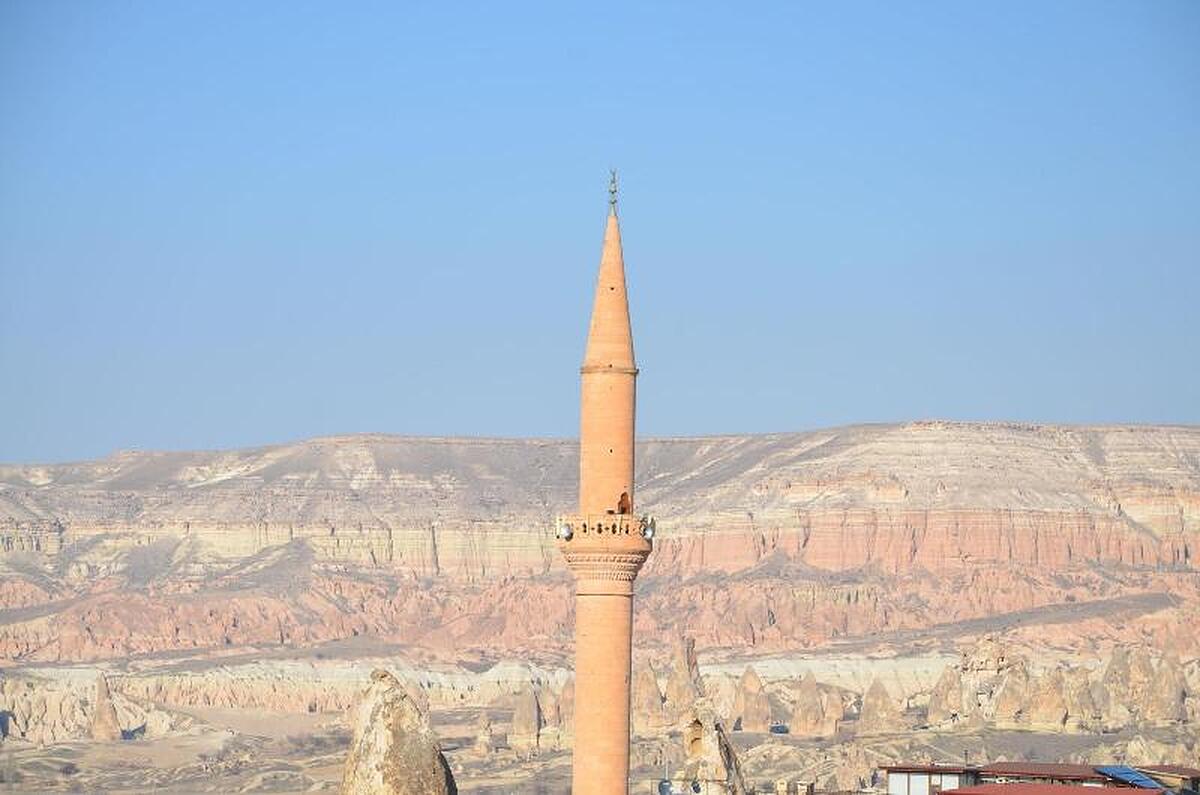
(621, 566)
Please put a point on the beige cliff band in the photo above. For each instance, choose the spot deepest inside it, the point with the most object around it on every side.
(605, 545)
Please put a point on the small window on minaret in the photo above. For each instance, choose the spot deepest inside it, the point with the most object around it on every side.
(623, 505)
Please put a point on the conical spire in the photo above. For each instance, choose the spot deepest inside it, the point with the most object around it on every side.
(610, 338)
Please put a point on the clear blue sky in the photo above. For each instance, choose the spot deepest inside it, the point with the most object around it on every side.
(225, 224)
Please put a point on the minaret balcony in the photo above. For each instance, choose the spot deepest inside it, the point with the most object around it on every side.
(605, 531)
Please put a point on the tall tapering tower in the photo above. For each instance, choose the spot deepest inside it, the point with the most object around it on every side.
(605, 544)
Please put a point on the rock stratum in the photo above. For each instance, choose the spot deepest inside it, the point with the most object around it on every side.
(770, 542)
(844, 593)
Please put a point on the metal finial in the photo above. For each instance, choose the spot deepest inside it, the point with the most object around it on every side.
(612, 191)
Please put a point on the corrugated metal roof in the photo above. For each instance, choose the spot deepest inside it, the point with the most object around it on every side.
(1129, 776)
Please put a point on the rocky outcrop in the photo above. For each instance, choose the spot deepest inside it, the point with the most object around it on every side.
(394, 750)
(880, 713)
(1047, 708)
(708, 754)
(684, 684)
(647, 712)
(1166, 696)
(527, 723)
(946, 703)
(105, 727)
(751, 707)
(485, 740)
(814, 715)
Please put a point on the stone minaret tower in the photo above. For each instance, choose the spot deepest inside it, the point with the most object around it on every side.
(605, 544)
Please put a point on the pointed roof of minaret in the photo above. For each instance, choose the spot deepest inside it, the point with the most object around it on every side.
(610, 338)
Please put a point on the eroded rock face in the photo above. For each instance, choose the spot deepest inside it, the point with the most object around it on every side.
(105, 726)
(751, 707)
(946, 703)
(1047, 708)
(646, 701)
(394, 750)
(527, 723)
(280, 534)
(1166, 695)
(808, 711)
(485, 741)
(708, 754)
(684, 685)
(1012, 697)
(880, 713)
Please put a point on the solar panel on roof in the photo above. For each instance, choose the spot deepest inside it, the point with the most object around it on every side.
(1129, 776)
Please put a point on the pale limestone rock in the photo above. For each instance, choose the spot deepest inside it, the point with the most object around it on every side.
(684, 685)
(394, 750)
(708, 754)
(751, 707)
(1166, 695)
(880, 713)
(526, 723)
(1047, 708)
(1083, 714)
(808, 711)
(1012, 698)
(646, 701)
(105, 727)
(485, 740)
(946, 701)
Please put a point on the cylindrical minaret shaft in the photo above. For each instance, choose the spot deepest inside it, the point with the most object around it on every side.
(605, 545)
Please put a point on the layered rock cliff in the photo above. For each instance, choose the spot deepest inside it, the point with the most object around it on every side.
(767, 543)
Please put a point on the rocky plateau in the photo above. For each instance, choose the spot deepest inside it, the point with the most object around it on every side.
(850, 596)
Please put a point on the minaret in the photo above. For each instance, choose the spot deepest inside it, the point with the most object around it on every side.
(605, 544)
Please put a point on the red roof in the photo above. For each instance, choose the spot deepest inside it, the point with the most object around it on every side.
(935, 768)
(1029, 789)
(1043, 770)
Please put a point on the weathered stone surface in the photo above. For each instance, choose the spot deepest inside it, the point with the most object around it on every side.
(394, 750)
(708, 754)
(684, 685)
(1083, 713)
(880, 713)
(485, 740)
(646, 701)
(527, 723)
(1011, 700)
(751, 707)
(105, 726)
(946, 705)
(1166, 694)
(282, 532)
(809, 715)
(1047, 708)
